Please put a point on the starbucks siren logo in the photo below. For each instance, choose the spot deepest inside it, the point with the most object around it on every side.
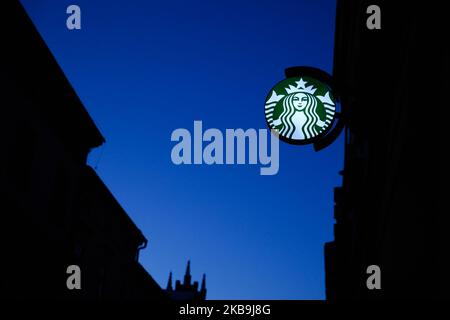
(300, 109)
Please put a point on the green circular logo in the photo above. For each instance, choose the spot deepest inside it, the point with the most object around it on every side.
(300, 109)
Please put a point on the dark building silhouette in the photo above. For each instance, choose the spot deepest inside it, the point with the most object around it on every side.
(55, 210)
(388, 210)
(186, 290)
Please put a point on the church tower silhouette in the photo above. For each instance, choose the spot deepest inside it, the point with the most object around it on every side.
(186, 290)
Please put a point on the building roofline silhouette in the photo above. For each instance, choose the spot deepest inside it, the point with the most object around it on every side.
(38, 75)
(58, 211)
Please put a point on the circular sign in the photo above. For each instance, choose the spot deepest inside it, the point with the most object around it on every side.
(300, 109)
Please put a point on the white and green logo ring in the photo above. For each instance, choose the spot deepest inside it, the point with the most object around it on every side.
(300, 109)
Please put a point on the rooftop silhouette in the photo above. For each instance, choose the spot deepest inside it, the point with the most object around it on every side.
(56, 210)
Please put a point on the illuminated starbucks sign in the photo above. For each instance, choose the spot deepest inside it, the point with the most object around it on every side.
(301, 109)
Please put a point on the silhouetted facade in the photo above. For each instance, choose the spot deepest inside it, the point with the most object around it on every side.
(55, 210)
(388, 209)
(186, 290)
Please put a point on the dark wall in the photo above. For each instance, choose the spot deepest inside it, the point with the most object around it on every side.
(54, 210)
(388, 210)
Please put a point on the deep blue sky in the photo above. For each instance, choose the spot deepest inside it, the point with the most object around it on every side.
(145, 68)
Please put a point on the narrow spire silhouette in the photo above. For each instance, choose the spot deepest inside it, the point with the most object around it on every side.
(187, 276)
(187, 290)
(203, 286)
(169, 282)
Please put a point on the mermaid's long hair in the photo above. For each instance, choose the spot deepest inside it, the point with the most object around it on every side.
(309, 127)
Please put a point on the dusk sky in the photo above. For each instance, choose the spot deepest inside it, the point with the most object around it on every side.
(145, 68)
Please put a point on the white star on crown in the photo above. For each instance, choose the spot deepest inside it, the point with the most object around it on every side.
(301, 87)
